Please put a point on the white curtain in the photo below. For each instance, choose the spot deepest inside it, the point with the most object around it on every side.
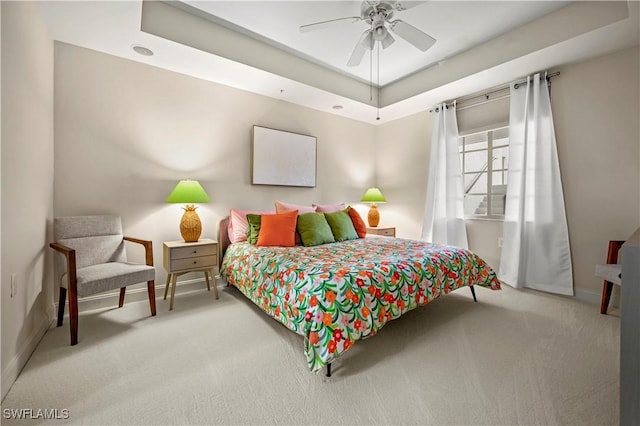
(535, 252)
(444, 209)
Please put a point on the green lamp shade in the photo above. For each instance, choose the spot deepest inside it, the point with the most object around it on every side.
(373, 195)
(188, 191)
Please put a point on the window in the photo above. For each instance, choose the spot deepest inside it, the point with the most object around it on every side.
(484, 160)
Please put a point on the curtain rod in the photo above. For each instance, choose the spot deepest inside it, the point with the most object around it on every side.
(488, 92)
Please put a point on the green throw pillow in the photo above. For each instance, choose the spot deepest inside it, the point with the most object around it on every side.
(254, 227)
(314, 229)
(341, 225)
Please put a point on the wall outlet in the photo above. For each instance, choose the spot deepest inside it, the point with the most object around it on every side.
(500, 242)
(13, 285)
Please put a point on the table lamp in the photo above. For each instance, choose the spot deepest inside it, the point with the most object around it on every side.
(189, 192)
(373, 196)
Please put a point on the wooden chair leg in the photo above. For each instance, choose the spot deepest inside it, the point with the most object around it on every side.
(151, 287)
(73, 316)
(61, 301)
(606, 295)
(121, 301)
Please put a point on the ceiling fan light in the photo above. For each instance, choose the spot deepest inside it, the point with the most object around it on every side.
(380, 32)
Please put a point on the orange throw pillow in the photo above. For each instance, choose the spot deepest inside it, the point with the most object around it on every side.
(278, 229)
(358, 223)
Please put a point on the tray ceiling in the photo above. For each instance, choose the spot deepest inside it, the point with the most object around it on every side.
(257, 46)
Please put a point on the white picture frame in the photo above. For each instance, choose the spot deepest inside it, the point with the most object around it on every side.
(282, 158)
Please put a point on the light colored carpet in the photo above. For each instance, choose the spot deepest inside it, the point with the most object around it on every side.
(516, 357)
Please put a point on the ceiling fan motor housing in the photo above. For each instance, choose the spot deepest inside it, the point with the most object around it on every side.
(372, 12)
(377, 14)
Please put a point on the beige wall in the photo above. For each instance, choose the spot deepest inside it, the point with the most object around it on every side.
(126, 133)
(27, 182)
(402, 168)
(596, 109)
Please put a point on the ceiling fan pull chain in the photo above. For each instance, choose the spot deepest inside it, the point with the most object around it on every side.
(378, 97)
(371, 75)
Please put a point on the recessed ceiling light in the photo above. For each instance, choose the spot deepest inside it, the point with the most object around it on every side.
(337, 107)
(142, 50)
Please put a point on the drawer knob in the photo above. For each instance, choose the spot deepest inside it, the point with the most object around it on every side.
(194, 262)
(195, 251)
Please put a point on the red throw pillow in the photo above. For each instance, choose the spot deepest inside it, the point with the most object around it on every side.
(278, 229)
(358, 223)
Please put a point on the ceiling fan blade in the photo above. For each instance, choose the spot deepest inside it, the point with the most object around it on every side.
(404, 5)
(326, 24)
(366, 42)
(413, 35)
(387, 41)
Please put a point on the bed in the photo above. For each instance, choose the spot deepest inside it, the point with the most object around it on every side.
(336, 294)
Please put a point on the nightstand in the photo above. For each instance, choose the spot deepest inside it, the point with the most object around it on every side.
(388, 231)
(180, 257)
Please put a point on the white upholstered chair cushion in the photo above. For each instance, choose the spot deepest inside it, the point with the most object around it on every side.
(610, 272)
(108, 276)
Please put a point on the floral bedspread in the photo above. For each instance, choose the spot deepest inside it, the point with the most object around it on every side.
(336, 294)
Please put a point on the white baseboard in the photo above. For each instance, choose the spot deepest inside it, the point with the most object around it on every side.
(595, 298)
(10, 374)
(134, 294)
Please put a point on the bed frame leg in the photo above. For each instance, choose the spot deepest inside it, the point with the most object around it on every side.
(473, 292)
(329, 370)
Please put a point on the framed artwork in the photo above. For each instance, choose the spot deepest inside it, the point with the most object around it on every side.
(282, 158)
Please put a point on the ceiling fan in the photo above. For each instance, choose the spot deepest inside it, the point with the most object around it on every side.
(378, 14)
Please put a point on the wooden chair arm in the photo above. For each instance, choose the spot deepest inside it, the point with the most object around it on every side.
(70, 255)
(148, 248)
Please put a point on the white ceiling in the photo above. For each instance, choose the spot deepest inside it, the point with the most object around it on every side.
(257, 46)
(280, 20)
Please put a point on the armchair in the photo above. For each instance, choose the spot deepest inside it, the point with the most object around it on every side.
(91, 258)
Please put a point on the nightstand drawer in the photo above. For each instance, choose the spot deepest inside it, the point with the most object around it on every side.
(383, 232)
(387, 232)
(193, 263)
(193, 251)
